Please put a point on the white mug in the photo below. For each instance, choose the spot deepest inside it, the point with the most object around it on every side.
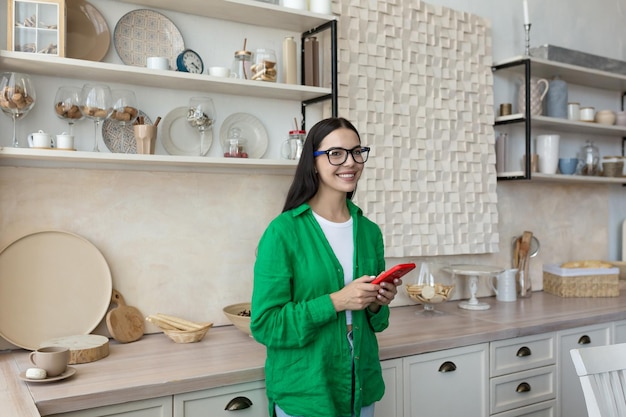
(505, 289)
(548, 151)
(221, 72)
(40, 140)
(65, 141)
(158, 62)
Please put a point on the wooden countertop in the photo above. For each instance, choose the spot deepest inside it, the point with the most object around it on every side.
(155, 366)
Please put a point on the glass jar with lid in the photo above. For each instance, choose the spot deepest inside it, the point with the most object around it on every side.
(588, 160)
(264, 68)
(242, 64)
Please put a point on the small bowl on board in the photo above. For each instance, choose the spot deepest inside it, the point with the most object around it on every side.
(239, 315)
(188, 336)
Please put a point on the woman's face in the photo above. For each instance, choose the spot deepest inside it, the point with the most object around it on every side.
(344, 177)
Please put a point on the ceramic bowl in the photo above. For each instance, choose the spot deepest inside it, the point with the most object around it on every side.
(605, 117)
(239, 315)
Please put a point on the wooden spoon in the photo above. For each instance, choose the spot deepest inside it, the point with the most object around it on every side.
(524, 254)
(125, 323)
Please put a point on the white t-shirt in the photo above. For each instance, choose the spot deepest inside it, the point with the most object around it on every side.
(339, 235)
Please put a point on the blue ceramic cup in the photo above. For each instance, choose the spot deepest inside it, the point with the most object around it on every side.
(567, 166)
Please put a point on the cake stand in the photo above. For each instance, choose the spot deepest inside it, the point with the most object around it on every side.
(473, 272)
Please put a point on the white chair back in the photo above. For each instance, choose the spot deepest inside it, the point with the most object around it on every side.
(602, 372)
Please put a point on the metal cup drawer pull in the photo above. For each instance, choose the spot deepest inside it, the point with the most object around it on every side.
(447, 366)
(523, 387)
(523, 351)
(238, 403)
(584, 340)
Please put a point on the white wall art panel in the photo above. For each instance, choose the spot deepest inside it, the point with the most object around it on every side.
(416, 81)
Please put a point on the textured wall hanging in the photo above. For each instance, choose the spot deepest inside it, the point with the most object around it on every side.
(416, 81)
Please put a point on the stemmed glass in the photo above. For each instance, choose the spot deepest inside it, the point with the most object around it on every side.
(201, 116)
(433, 286)
(17, 97)
(67, 105)
(96, 104)
(124, 110)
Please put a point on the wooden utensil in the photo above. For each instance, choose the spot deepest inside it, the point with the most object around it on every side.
(125, 323)
(524, 256)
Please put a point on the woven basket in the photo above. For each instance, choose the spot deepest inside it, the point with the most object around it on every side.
(581, 286)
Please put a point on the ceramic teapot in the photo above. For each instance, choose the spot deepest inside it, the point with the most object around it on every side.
(538, 90)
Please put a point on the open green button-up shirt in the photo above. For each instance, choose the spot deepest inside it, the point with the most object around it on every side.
(308, 368)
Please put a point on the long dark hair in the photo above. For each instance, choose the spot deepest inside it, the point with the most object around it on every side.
(305, 181)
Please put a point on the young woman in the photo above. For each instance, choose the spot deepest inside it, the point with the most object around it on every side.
(313, 305)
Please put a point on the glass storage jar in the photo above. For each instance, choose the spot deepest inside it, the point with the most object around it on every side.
(264, 68)
(242, 64)
(588, 160)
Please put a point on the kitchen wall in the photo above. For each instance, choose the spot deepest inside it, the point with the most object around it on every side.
(184, 243)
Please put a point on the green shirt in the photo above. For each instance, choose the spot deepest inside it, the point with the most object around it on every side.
(308, 369)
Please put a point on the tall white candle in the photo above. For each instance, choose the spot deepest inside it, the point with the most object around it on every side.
(526, 18)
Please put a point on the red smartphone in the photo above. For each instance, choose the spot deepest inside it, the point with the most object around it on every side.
(395, 272)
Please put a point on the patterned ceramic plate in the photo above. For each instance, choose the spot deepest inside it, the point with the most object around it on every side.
(121, 139)
(142, 33)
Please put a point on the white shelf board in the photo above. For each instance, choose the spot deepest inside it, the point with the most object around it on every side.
(577, 179)
(44, 158)
(565, 125)
(574, 74)
(105, 72)
(251, 12)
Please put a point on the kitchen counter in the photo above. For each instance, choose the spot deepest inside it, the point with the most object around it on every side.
(155, 366)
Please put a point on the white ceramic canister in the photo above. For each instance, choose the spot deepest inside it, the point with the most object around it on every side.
(548, 151)
(294, 4)
(587, 114)
(290, 61)
(573, 111)
(320, 6)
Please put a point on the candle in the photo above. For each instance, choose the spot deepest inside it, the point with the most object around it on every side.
(526, 18)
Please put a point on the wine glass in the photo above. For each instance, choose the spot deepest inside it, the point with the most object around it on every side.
(67, 105)
(17, 97)
(433, 286)
(124, 110)
(96, 104)
(201, 116)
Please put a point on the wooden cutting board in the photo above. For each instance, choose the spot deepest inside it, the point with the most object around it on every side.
(125, 323)
(84, 348)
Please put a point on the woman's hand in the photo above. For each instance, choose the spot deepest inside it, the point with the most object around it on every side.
(361, 293)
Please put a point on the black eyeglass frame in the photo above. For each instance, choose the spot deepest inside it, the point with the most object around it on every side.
(365, 149)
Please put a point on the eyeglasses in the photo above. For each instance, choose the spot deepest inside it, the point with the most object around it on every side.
(338, 156)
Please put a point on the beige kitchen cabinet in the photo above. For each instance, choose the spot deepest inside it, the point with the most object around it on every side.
(153, 407)
(570, 399)
(522, 372)
(213, 402)
(452, 382)
(619, 331)
(391, 405)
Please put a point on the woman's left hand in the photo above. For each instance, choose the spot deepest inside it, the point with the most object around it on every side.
(386, 294)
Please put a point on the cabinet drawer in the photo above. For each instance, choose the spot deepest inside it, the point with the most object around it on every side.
(522, 353)
(544, 409)
(212, 402)
(450, 382)
(153, 407)
(522, 388)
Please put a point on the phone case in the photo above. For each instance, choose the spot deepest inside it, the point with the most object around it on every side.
(395, 272)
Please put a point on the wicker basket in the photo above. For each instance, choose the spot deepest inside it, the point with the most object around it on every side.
(581, 282)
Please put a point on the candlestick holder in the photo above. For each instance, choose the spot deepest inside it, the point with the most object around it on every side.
(527, 30)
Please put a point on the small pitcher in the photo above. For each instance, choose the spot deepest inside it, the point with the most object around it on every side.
(505, 288)
(538, 90)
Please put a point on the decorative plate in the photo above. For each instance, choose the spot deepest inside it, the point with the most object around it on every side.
(178, 138)
(142, 33)
(88, 35)
(252, 130)
(52, 284)
(121, 139)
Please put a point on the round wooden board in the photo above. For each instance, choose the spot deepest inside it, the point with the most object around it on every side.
(84, 348)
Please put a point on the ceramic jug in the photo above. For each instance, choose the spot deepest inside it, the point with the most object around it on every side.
(556, 99)
(538, 90)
